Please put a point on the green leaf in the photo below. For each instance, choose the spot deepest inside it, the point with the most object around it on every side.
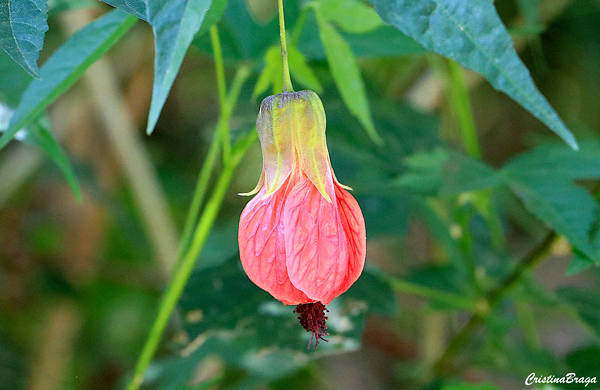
(385, 215)
(385, 41)
(347, 76)
(23, 25)
(577, 265)
(564, 207)
(440, 229)
(213, 15)
(39, 134)
(586, 302)
(584, 361)
(174, 24)
(13, 82)
(272, 73)
(557, 161)
(301, 72)
(471, 32)
(447, 171)
(65, 67)
(224, 314)
(351, 16)
(135, 7)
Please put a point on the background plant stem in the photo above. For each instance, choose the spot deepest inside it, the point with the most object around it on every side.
(175, 288)
(446, 364)
(221, 85)
(462, 108)
(222, 132)
(186, 264)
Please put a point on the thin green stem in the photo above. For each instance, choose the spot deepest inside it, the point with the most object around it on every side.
(175, 288)
(219, 68)
(222, 87)
(447, 362)
(462, 106)
(242, 74)
(287, 81)
(527, 321)
(211, 158)
(199, 194)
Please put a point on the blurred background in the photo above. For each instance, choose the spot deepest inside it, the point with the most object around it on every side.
(80, 281)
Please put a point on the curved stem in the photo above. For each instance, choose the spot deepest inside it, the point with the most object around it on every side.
(222, 87)
(211, 158)
(175, 288)
(287, 81)
(199, 194)
(462, 106)
(219, 68)
(186, 263)
(446, 364)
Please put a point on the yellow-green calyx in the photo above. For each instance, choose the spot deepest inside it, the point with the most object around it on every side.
(291, 129)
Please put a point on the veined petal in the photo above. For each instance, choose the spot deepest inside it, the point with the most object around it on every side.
(315, 241)
(291, 128)
(276, 142)
(309, 139)
(354, 227)
(262, 246)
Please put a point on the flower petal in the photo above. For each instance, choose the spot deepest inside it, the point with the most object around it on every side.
(273, 128)
(354, 227)
(315, 241)
(262, 246)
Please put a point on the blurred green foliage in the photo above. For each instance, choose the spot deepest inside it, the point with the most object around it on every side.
(480, 271)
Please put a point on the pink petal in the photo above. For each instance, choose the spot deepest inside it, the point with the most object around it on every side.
(315, 242)
(262, 246)
(354, 226)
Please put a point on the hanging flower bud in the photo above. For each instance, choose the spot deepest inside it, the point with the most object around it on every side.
(302, 237)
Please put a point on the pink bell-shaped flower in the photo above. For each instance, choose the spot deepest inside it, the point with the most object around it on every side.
(302, 237)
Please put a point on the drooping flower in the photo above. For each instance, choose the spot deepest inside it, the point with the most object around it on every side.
(302, 237)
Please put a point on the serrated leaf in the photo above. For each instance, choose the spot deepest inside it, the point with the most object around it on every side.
(225, 315)
(586, 302)
(351, 16)
(135, 7)
(471, 32)
(174, 24)
(347, 76)
(217, 293)
(552, 161)
(65, 67)
(563, 206)
(23, 25)
(447, 171)
(38, 134)
(13, 82)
